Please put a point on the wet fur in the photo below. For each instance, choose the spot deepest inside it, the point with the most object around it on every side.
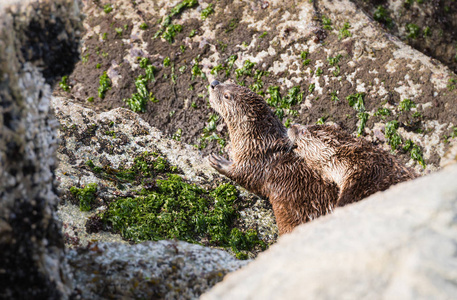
(264, 161)
(359, 168)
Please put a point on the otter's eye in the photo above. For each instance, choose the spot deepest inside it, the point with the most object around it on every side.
(226, 96)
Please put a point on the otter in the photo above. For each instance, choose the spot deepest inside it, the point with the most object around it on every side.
(273, 162)
(357, 166)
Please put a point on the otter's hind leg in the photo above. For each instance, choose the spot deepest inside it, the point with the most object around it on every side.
(221, 164)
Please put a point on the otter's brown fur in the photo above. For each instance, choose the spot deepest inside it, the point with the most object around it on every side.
(262, 159)
(358, 167)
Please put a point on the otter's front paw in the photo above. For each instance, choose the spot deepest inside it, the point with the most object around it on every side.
(220, 164)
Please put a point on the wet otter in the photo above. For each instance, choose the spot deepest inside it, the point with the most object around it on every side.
(264, 162)
(354, 164)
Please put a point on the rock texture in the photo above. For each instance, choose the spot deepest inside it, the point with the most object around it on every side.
(151, 270)
(38, 42)
(396, 244)
(429, 26)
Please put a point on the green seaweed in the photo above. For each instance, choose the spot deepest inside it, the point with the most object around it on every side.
(207, 11)
(327, 23)
(393, 138)
(311, 87)
(257, 85)
(406, 105)
(416, 154)
(86, 195)
(383, 112)
(119, 31)
(382, 16)
(357, 102)
(412, 30)
(177, 135)
(138, 101)
(230, 62)
(344, 31)
(217, 68)
(320, 121)
(196, 71)
(107, 8)
(168, 30)
(64, 84)
(334, 96)
(105, 85)
(333, 61)
(177, 209)
(145, 166)
(304, 57)
(246, 70)
(293, 97)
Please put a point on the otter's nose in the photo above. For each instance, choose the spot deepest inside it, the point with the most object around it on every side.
(214, 83)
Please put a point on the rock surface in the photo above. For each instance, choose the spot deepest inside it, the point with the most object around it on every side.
(38, 42)
(400, 243)
(151, 270)
(429, 26)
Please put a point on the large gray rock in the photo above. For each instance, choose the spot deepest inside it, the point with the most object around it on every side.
(151, 270)
(398, 244)
(38, 43)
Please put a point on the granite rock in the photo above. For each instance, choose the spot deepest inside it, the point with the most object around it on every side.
(38, 43)
(397, 244)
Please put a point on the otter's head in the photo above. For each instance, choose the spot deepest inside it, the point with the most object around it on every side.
(237, 104)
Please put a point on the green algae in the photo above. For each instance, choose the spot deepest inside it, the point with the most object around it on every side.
(344, 31)
(207, 11)
(85, 195)
(105, 85)
(393, 138)
(196, 71)
(64, 84)
(304, 57)
(293, 97)
(246, 70)
(326, 23)
(406, 105)
(382, 16)
(357, 102)
(412, 30)
(107, 8)
(175, 209)
(169, 30)
(138, 101)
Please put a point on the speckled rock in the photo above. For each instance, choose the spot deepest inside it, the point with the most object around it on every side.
(429, 26)
(151, 270)
(397, 244)
(38, 43)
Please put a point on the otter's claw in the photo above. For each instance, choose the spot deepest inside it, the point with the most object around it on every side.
(220, 164)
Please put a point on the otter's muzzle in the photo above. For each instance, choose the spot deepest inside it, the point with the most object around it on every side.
(214, 83)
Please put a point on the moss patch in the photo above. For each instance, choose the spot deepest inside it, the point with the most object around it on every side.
(85, 195)
(165, 206)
